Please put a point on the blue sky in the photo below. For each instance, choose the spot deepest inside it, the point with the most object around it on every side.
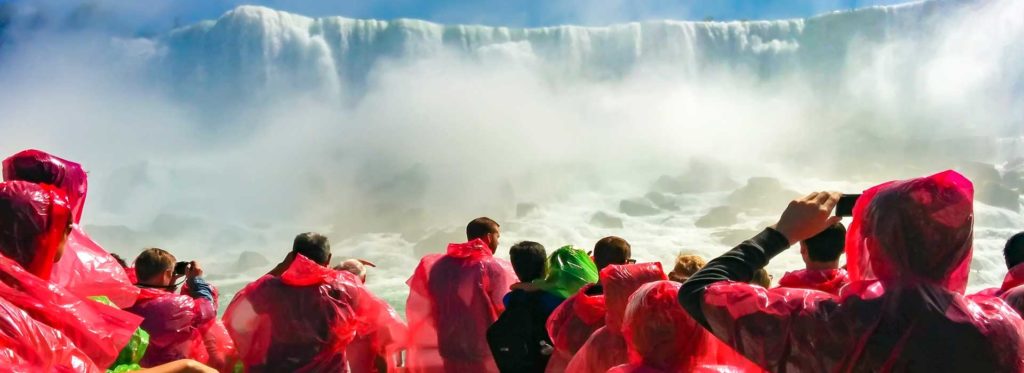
(155, 15)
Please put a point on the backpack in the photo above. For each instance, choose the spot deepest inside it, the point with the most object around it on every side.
(519, 340)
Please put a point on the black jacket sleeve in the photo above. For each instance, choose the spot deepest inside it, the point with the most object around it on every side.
(737, 264)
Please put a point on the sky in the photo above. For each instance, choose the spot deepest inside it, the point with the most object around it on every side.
(153, 16)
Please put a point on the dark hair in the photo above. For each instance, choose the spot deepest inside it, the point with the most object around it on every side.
(828, 245)
(528, 260)
(611, 250)
(1014, 250)
(152, 262)
(480, 227)
(314, 246)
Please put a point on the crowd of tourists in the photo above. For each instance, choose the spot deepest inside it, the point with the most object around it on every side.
(897, 303)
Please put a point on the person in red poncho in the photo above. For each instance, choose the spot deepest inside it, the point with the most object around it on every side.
(301, 316)
(453, 299)
(379, 340)
(821, 256)
(1013, 252)
(606, 348)
(87, 270)
(580, 315)
(908, 254)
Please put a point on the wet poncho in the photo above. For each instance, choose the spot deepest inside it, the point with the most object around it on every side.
(606, 348)
(571, 325)
(27, 345)
(453, 299)
(86, 269)
(569, 269)
(174, 323)
(827, 280)
(301, 321)
(33, 221)
(383, 335)
(908, 251)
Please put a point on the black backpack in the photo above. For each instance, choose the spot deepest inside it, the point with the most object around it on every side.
(519, 340)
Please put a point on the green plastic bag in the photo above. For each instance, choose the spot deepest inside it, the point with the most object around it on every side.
(131, 354)
(569, 269)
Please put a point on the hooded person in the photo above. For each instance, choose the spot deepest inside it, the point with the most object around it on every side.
(379, 340)
(34, 223)
(453, 299)
(1013, 253)
(302, 319)
(606, 348)
(908, 254)
(569, 270)
(86, 269)
(821, 256)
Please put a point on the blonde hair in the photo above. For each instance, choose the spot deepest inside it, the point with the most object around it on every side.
(686, 266)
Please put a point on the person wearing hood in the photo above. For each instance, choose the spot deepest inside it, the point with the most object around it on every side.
(606, 348)
(87, 270)
(453, 299)
(1013, 253)
(908, 254)
(821, 256)
(303, 319)
(379, 340)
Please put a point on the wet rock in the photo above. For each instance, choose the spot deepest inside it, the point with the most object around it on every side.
(980, 172)
(668, 184)
(638, 207)
(604, 220)
(764, 194)
(718, 217)
(662, 201)
(250, 259)
(525, 209)
(998, 195)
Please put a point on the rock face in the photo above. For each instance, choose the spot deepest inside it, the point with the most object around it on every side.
(604, 220)
(249, 260)
(718, 217)
(525, 209)
(662, 201)
(762, 194)
(998, 195)
(701, 177)
(638, 207)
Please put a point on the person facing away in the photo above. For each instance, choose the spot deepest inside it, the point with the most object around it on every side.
(821, 257)
(572, 323)
(908, 254)
(686, 266)
(378, 340)
(175, 322)
(1012, 288)
(303, 319)
(606, 348)
(453, 299)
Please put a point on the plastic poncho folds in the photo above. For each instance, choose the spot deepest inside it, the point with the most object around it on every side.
(606, 348)
(178, 325)
(569, 269)
(663, 338)
(35, 219)
(827, 280)
(908, 251)
(301, 321)
(571, 324)
(85, 269)
(453, 299)
(382, 334)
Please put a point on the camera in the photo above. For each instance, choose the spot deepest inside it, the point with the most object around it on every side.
(845, 205)
(180, 268)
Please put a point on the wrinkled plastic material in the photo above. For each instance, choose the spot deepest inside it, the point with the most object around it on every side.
(174, 323)
(85, 269)
(453, 299)
(908, 250)
(662, 337)
(571, 324)
(34, 219)
(569, 269)
(1015, 298)
(1014, 278)
(606, 348)
(828, 280)
(383, 334)
(220, 349)
(301, 321)
(131, 354)
(27, 345)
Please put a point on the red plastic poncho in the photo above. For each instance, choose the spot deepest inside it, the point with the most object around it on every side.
(453, 299)
(27, 345)
(1014, 278)
(828, 280)
(35, 218)
(220, 349)
(85, 269)
(383, 334)
(571, 325)
(301, 321)
(908, 251)
(174, 323)
(606, 348)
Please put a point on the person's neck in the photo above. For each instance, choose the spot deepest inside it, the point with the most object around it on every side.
(822, 266)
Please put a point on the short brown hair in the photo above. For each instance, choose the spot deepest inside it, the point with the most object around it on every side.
(611, 250)
(152, 262)
(762, 278)
(480, 227)
(686, 266)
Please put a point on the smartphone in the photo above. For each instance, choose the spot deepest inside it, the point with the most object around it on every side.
(845, 205)
(180, 268)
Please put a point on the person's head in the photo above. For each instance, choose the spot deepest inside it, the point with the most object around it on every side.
(762, 278)
(528, 260)
(686, 266)
(659, 333)
(611, 250)
(35, 220)
(620, 281)
(486, 230)
(354, 266)
(1013, 252)
(155, 267)
(44, 168)
(569, 269)
(313, 246)
(824, 249)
